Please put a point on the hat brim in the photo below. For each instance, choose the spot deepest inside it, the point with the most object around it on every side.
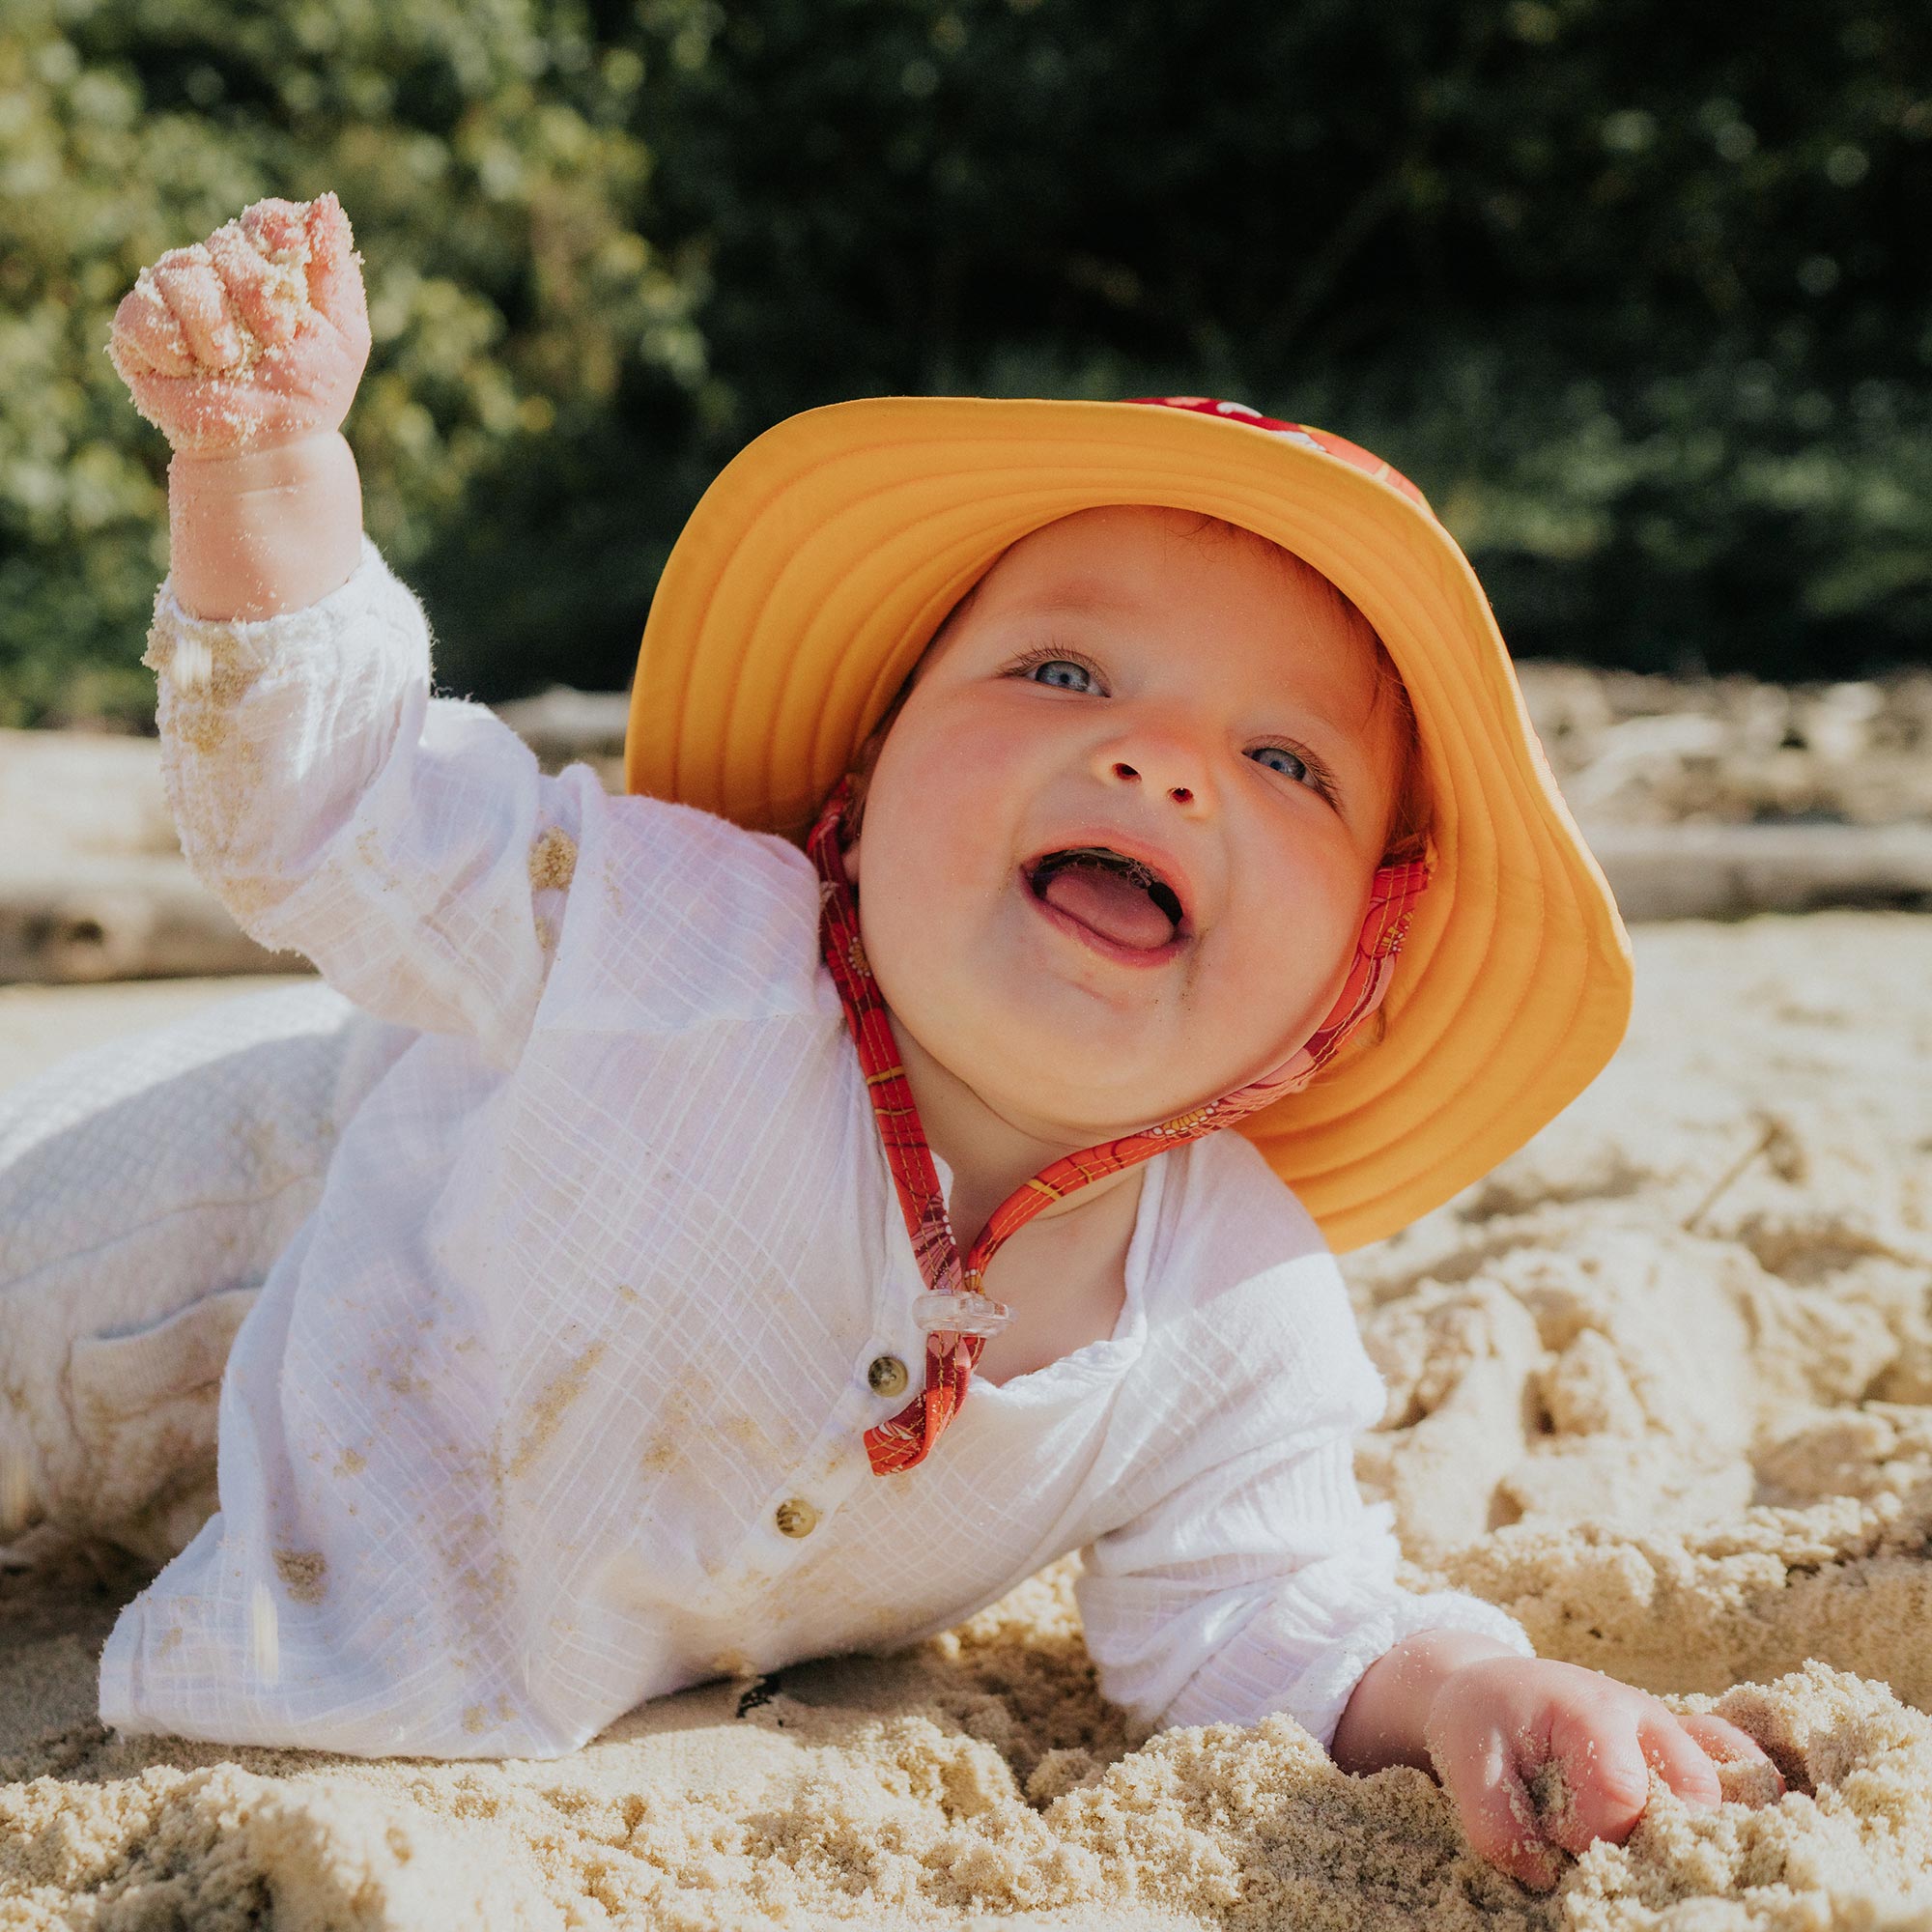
(820, 562)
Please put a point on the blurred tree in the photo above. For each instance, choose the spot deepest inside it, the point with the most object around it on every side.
(1637, 298)
(483, 154)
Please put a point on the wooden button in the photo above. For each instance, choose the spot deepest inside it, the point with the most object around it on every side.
(887, 1375)
(795, 1517)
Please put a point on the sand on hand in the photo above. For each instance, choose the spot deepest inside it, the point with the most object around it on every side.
(229, 388)
(1661, 1386)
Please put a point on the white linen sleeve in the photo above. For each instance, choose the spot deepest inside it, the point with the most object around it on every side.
(1263, 1583)
(402, 842)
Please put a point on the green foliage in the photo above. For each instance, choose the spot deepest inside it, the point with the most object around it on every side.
(483, 154)
(1640, 301)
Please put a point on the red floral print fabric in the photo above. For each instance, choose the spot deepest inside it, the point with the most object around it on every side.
(1325, 441)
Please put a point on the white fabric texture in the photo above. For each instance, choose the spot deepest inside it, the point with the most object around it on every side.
(599, 1266)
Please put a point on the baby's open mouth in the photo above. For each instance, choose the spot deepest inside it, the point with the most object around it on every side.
(1123, 899)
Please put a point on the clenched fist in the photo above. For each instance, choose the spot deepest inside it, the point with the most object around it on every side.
(255, 337)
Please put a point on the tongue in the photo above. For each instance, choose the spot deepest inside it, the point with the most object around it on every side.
(1115, 907)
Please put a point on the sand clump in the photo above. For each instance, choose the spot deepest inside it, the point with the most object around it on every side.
(553, 860)
(1662, 1386)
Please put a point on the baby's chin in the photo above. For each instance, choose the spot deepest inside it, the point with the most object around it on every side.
(1070, 1083)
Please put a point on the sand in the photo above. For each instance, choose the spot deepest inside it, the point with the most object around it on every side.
(1662, 1386)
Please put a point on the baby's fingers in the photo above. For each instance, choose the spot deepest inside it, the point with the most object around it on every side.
(1499, 1815)
(260, 291)
(277, 226)
(146, 336)
(1601, 1757)
(1679, 1760)
(335, 277)
(189, 286)
(1725, 1745)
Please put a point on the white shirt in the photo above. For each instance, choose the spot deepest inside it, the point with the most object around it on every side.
(601, 1265)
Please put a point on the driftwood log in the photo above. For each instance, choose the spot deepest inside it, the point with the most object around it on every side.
(1728, 871)
(137, 918)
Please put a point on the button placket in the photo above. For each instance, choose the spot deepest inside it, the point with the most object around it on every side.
(822, 1478)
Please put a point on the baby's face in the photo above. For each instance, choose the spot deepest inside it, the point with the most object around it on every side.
(1188, 700)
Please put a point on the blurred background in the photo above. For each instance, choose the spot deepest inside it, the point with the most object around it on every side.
(1637, 292)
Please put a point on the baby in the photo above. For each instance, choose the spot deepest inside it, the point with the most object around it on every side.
(578, 1266)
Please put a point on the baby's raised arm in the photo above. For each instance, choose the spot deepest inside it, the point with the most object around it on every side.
(406, 843)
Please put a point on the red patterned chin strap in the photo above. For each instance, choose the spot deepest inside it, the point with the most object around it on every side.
(957, 1316)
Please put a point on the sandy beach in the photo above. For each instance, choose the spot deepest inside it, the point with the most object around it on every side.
(1661, 1386)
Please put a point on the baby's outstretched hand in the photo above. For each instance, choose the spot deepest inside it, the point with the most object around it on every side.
(254, 337)
(1538, 1754)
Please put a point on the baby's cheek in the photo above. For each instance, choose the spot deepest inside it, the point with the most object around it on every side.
(1290, 956)
(909, 921)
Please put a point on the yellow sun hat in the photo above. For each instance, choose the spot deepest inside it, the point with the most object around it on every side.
(817, 567)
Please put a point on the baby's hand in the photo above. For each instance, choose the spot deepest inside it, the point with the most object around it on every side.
(254, 337)
(1501, 1728)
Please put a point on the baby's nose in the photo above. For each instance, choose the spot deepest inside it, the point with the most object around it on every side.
(1165, 761)
(1181, 794)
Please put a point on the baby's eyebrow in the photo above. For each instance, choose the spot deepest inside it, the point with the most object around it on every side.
(1334, 739)
(1080, 595)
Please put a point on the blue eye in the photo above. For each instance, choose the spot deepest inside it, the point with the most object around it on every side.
(1293, 767)
(1059, 673)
